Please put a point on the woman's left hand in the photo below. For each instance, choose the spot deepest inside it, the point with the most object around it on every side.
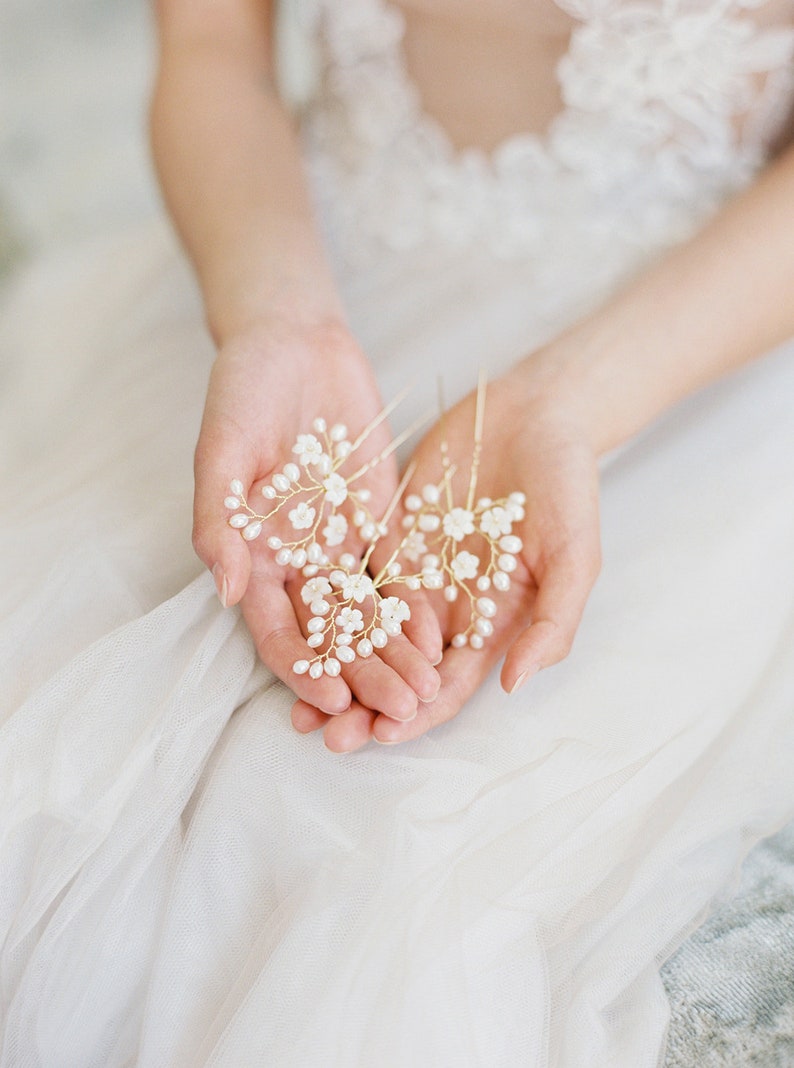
(534, 441)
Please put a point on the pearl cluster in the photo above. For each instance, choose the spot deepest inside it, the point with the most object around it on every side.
(435, 529)
(350, 616)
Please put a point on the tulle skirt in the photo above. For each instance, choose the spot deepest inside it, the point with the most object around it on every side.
(188, 882)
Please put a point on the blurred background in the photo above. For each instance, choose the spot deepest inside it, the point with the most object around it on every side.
(74, 78)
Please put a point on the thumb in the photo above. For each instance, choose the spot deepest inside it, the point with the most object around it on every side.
(222, 454)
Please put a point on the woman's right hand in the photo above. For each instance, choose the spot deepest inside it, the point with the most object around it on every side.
(269, 382)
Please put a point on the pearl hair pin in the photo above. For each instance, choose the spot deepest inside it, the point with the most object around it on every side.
(350, 616)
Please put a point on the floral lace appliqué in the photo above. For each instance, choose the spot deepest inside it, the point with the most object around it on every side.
(669, 106)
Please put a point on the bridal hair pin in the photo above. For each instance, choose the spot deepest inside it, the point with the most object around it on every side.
(351, 617)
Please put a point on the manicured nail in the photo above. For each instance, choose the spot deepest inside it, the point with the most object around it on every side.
(221, 585)
(440, 658)
(522, 678)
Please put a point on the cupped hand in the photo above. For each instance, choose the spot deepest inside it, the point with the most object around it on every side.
(267, 386)
(535, 443)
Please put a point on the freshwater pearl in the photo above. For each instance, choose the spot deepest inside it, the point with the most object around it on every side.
(320, 607)
(314, 553)
(284, 557)
(281, 482)
(310, 570)
(507, 562)
(300, 667)
(431, 493)
(253, 530)
(238, 521)
(232, 502)
(346, 654)
(368, 531)
(511, 544)
(319, 425)
(413, 583)
(364, 648)
(315, 625)
(332, 667)
(343, 449)
(236, 487)
(315, 640)
(379, 638)
(458, 641)
(486, 607)
(344, 639)
(484, 627)
(292, 472)
(274, 543)
(299, 558)
(393, 569)
(450, 593)
(316, 670)
(268, 492)
(413, 502)
(338, 432)
(483, 583)
(501, 581)
(347, 560)
(429, 523)
(476, 641)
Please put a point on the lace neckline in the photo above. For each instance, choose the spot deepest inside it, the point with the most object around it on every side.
(644, 146)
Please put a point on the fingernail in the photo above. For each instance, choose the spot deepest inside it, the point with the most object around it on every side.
(440, 658)
(382, 741)
(221, 585)
(522, 678)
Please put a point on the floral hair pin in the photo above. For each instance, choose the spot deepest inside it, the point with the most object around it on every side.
(351, 616)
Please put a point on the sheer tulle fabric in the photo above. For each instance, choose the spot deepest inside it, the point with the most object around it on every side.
(187, 881)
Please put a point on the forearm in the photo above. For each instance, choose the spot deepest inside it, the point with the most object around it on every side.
(709, 306)
(229, 164)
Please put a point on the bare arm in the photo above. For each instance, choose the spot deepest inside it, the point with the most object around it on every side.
(714, 303)
(229, 163)
(228, 159)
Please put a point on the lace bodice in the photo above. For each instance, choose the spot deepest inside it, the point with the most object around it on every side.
(668, 106)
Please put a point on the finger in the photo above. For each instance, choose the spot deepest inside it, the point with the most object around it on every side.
(402, 656)
(557, 612)
(422, 629)
(271, 620)
(378, 686)
(351, 730)
(223, 453)
(306, 718)
(461, 671)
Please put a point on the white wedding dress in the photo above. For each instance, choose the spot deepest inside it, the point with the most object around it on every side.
(188, 882)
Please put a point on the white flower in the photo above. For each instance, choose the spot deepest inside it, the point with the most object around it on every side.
(496, 522)
(335, 530)
(350, 620)
(465, 566)
(335, 489)
(315, 589)
(414, 546)
(308, 449)
(302, 516)
(458, 523)
(357, 587)
(394, 610)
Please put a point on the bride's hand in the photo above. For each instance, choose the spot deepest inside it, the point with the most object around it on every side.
(267, 386)
(533, 442)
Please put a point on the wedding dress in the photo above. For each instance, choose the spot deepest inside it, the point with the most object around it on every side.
(188, 882)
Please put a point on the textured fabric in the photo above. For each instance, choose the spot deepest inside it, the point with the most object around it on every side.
(188, 882)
